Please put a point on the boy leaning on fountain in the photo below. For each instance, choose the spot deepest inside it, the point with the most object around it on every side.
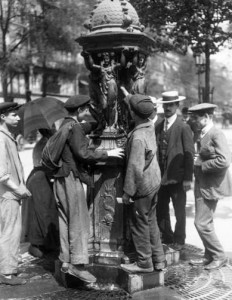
(142, 181)
(69, 192)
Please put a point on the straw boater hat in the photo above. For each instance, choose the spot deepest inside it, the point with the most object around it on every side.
(170, 97)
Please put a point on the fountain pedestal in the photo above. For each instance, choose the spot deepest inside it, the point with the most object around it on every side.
(115, 51)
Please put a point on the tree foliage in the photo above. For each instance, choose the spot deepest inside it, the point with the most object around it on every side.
(34, 30)
(13, 35)
(201, 24)
(198, 22)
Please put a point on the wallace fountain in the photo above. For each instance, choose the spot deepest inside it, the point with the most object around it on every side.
(115, 52)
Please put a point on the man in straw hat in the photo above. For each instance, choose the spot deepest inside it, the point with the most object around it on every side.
(141, 184)
(212, 183)
(176, 151)
(12, 191)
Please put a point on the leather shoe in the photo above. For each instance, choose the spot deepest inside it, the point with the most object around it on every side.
(216, 264)
(177, 246)
(12, 281)
(81, 273)
(35, 251)
(159, 266)
(200, 261)
(134, 268)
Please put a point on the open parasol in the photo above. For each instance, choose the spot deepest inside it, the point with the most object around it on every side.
(41, 113)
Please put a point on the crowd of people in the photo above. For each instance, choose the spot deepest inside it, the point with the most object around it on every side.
(163, 158)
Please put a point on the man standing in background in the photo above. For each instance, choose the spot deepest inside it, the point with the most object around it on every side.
(212, 183)
(175, 152)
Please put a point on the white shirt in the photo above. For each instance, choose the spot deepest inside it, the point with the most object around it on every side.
(170, 120)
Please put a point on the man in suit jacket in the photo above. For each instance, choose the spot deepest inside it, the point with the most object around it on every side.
(212, 182)
(176, 152)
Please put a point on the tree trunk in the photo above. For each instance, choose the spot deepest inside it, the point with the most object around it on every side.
(5, 86)
(44, 80)
(27, 85)
(206, 97)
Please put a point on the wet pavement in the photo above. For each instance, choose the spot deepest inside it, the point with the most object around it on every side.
(181, 282)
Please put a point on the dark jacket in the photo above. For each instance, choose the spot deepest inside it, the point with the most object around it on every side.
(212, 166)
(77, 156)
(142, 171)
(180, 153)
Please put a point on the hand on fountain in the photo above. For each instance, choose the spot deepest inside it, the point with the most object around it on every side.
(126, 199)
(125, 92)
(118, 152)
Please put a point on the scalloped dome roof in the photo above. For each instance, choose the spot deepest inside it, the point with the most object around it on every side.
(113, 13)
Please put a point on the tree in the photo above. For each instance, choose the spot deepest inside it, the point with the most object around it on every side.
(56, 25)
(34, 31)
(199, 23)
(13, 36)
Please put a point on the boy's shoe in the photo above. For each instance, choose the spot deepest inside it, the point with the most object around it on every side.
(134, 268)
(81, 273)
(64, 267)
(35, 251)
(177, 246)
(200, 261)
(13, 280)
(159, 266)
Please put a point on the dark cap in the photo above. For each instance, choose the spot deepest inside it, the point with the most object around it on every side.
(8, 107)
(141, 105)
(185, 110)
(202, 108)
(76, 101)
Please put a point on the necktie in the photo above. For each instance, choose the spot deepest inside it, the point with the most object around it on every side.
(166, 125)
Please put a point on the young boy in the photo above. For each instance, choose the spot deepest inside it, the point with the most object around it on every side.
(69, 191)
(141, 185)
(12, 191)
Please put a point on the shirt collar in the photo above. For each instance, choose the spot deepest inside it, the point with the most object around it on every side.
(171, 120)
(206, 129)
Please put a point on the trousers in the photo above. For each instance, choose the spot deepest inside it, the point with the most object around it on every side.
(204, 212)
(10, 231)
(145, 231)
(43, 216)
(175, 193)
(73, 219)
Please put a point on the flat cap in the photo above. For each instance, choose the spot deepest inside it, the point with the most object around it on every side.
(76, 101)
(8, 106)
(141, 105)
(202, 107)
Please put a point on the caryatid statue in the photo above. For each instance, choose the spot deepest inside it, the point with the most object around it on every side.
(103, 86)
(115, 50)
